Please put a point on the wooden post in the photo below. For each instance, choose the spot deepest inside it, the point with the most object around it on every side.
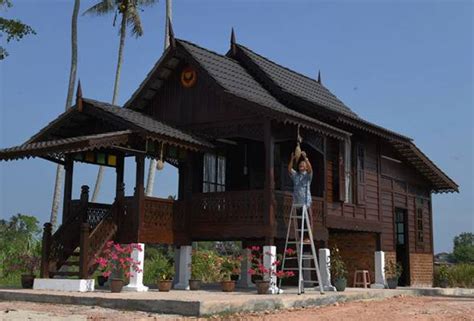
(45, 250)
(139, 194)
(269, 186)
(84, 202)
(68, 168)
(84, 254)
(119, 169)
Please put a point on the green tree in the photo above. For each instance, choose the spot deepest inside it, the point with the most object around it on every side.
(463, 251)
(129, 12)
(18, 235)
(12, 29)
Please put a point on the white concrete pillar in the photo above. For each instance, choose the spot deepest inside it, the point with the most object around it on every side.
(136, 278)
(184, 267)
(380, 281)
(269, 257)
(325, 269)
(245, 278)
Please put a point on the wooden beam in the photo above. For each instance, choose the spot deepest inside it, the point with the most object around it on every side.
(68, 178)
(269, 186)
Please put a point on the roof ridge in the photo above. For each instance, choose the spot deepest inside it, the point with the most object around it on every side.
(291, 70)
(207, 50)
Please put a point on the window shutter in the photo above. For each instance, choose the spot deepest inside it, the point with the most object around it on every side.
(360, 159)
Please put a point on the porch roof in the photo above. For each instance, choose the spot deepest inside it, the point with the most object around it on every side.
(54, 149)
(52, 142)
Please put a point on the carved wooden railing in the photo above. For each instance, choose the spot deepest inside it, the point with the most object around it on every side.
(236, 207)
(283, 202)
(86, 226)
(158, 220)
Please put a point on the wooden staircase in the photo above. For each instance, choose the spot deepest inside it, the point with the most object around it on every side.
(72, 249)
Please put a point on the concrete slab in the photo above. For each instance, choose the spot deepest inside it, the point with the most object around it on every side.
(67, 285)
(213, 301)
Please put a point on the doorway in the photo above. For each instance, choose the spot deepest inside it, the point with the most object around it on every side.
(401, 241)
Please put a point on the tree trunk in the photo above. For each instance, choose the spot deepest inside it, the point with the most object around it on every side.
(152, 169)
(123, 34)
(72, 81)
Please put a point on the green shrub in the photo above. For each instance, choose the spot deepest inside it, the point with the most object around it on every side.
(459, 275)
(206, 266)
(157, 267)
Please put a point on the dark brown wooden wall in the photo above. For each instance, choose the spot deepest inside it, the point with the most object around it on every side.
(199, 104)
(387, 185)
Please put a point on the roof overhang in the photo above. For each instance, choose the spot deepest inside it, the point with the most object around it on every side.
(56, 150)
(441, 182)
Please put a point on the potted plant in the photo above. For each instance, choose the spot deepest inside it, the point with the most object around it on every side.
(165, 272)
(198, 270)
(229, 266)
(261, 275)
(27, 264)
(393, 271)
(338, 270)
(116, 262)
(443, 276)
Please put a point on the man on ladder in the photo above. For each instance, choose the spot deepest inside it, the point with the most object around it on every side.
(300, 222)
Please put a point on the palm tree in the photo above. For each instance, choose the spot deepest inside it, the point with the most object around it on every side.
(70, 91)
(129, 11)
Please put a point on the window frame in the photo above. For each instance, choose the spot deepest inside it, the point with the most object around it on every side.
(217, 177)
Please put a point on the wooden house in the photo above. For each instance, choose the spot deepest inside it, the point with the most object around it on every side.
(229, 122)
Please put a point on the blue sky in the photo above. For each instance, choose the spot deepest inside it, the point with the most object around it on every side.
(405, 65)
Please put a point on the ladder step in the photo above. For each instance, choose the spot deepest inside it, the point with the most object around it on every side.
(296, 242)
(297, 269)
(309, 281)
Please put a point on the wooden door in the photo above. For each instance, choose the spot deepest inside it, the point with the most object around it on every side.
(402, 245)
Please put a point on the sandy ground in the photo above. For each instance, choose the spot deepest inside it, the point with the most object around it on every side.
(393, 309)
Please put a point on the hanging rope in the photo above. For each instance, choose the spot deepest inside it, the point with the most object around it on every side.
(299, 140)
(160, 164)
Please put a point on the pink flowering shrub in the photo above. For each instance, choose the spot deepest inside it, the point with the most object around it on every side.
(260, 271)
(116, 261)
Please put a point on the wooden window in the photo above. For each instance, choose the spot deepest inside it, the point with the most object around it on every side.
(360, 173)
(419, 221)
(213, 178)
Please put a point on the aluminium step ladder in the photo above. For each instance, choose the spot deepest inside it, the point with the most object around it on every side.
(300, 241)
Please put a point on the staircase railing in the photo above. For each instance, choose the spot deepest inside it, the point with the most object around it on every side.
(89, 226)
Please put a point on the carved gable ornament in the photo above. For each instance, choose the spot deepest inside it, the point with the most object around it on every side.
(188, 77)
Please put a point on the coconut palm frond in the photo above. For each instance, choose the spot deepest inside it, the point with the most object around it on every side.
(134, 21)
(102, 8)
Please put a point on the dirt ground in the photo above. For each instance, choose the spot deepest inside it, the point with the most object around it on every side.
(393, 309)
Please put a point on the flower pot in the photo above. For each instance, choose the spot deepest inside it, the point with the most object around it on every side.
(165, 285)
(443, 283)
(262, 286)
(340, 284)
(228, 286)
(392, 283)
(101, 280)
(194, 285)
(27, 281)
(235, 277)
(116, 285)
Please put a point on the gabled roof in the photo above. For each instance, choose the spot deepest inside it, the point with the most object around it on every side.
(297, 84)
(235, 80)
(123, 119)
(147, 123)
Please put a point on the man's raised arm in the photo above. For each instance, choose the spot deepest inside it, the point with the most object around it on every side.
(290, 163)
(309, 168)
